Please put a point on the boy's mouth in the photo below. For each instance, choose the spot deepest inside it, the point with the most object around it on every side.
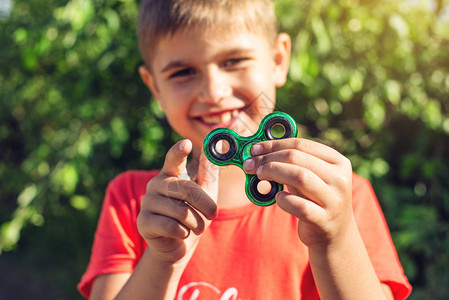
(219, 119)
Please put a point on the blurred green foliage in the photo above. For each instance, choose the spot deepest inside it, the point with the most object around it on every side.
(371, 78)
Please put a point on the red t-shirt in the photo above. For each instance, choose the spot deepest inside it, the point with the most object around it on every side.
(247, 253)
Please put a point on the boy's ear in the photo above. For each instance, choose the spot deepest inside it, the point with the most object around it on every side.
(282, 50)
(148, 79)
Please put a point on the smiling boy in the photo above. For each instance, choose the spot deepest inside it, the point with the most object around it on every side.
(168, 235)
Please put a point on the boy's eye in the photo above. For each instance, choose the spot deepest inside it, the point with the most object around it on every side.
(234, 61)
(182, 72)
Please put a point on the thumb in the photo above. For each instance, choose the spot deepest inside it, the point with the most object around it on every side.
(176, 158)
(208, 174)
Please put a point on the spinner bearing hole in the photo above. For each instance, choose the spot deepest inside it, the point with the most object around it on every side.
(264, 187)
(278, 130)
(261, 194)
(222, 147)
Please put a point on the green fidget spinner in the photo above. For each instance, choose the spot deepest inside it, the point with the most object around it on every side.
(236, 149)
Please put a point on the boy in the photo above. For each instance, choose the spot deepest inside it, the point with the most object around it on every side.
(188, 231)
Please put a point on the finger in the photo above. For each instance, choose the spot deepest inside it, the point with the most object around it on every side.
(191, 193)
(302, 208)
(316, 149)
(153, 226)
(294, 157)
(176, 158)
(303, 180)
(179, 211)
(208, 174)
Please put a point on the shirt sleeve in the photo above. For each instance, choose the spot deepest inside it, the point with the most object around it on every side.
(376, 236)
(117, 244)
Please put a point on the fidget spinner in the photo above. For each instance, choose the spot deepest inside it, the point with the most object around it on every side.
(223, 146)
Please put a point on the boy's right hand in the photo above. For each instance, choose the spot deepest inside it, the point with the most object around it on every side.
(175, 210)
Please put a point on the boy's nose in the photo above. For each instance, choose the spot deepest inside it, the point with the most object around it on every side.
(215, 87)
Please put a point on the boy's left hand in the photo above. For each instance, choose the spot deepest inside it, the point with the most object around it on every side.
(318, 182)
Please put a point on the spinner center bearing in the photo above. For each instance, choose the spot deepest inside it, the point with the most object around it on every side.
(238, 149)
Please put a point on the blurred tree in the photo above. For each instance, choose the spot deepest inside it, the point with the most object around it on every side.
(369, 77)
(73, 115)
(373, 81)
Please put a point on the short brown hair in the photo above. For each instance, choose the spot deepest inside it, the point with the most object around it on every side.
(158, 18)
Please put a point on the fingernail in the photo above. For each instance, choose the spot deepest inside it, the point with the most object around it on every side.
(259, 170)
(181, 145)
(248, 164)
(256, 149)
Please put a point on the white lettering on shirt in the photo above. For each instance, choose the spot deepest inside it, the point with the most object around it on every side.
(230, 294)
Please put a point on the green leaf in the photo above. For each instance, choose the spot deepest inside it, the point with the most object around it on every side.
(27, 195)
(78, 13)
(393, 91)
(320, 31)
(79, 202)
(113, 20)
(399, 25)
(375, 110)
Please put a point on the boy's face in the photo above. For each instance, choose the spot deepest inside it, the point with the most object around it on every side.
(205, 79)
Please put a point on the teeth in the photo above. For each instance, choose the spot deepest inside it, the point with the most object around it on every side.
(221, 118)
(226, 117)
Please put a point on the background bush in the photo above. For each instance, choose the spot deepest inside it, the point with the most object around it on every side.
(371, 78)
